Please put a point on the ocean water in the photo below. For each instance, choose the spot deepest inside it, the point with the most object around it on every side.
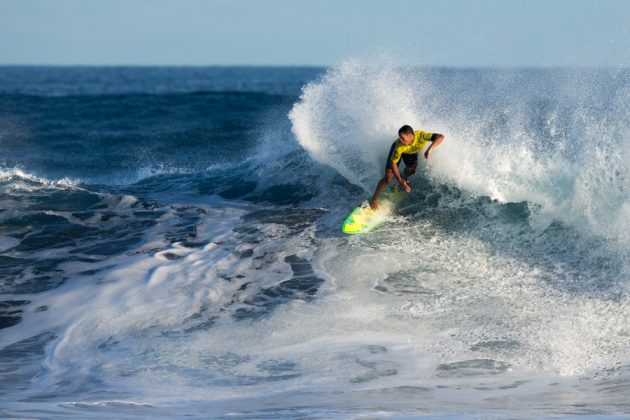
(170, 243)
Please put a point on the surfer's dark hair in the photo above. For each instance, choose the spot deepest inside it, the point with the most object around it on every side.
(405, 129)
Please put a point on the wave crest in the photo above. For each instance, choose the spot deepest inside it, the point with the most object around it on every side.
(553, 138)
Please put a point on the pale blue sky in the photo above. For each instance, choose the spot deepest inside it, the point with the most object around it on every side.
(315, 32)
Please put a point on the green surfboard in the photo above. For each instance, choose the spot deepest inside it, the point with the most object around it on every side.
(363, 219)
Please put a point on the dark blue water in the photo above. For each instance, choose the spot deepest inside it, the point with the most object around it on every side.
(170, 243)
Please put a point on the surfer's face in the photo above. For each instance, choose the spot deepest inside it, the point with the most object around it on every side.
(406, 138)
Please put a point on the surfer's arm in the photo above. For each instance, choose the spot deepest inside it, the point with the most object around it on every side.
(435, 143)
(400, 180)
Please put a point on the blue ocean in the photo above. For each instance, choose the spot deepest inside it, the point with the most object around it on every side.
(171, 245)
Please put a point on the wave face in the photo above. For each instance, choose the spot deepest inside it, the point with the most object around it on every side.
(170, 243)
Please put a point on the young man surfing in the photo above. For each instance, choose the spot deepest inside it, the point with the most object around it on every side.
(406, 147)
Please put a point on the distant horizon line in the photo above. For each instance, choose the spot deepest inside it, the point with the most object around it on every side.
(319, 66)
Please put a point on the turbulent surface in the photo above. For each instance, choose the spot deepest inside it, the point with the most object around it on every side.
(170, 243)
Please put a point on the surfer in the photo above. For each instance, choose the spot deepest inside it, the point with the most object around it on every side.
(406, 146)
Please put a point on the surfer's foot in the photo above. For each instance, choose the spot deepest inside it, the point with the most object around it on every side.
(373, 205)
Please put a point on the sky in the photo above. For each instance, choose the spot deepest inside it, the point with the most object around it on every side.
(461, 33)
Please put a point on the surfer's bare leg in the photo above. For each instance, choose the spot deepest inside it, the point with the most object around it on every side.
(409, 170)
(389, 175)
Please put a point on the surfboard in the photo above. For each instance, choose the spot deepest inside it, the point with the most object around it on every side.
(363, 219)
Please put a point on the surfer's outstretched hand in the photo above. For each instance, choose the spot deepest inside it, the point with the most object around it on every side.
(405, 186)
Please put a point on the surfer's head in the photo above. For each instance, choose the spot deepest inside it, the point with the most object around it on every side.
(405, 133)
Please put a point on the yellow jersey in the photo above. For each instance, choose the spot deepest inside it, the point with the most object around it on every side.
(419, 142)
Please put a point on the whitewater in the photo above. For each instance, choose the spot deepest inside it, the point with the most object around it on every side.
(170, 243)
